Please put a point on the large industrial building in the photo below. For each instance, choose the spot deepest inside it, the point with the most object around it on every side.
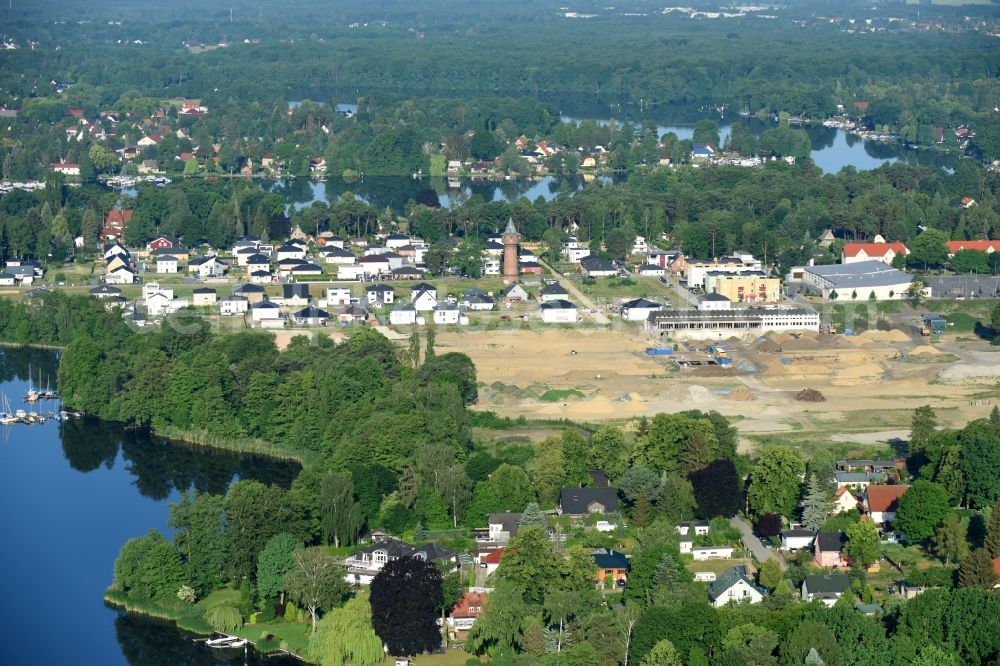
(746, 323)
(857, 282)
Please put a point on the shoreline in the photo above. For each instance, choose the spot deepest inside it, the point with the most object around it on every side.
(30, 345)
(244, 446)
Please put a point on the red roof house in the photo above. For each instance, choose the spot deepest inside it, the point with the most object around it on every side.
(464, 614)
(114, 224)
(881, 502)
(878, 250)
(986, 246)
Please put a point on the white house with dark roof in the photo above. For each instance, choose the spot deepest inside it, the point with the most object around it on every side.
(166, 264)
(734, 587)
(552, 292)
(423, 299)
(580, 502)
(592, 266)
(332, 254)
(380, 294)
(363, 566)
(558, 311)
(446, 313)
(231, 306)
(403, 315)
(290, 251)
(826, 588)
(639, 309)
(266, 311)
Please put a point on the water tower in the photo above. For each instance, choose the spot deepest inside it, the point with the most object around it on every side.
(510, 240)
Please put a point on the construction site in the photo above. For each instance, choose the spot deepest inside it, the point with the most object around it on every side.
(797, 388)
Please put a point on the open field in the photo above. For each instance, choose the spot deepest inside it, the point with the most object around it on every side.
(871, 381)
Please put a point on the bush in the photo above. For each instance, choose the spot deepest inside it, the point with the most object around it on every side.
(267, 644)
(291, 612)
(268, 611)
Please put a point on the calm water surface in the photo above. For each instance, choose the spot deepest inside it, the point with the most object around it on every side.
(71, 494)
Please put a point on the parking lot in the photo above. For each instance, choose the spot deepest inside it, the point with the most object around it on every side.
(965, 286)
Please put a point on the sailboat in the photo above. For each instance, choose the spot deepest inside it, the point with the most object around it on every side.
(6, 417)
(32, 394)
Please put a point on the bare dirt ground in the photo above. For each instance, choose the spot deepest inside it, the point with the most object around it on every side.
(870, 381)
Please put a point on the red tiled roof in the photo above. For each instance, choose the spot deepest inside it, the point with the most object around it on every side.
(981, 245)
(468, 600)
(118, 217)
(884, 498)
(874, 249)
(842, 491)
(492, 558)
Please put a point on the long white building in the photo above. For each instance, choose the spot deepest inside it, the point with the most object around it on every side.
(858, 281)
(746, 323)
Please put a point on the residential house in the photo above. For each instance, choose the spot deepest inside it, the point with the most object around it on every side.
(872, 466)
(367, 562)
(120, 275)
(844, 500)
(581, 502)
(254, 293)
(114, 225)
(987, 246)
(515, 293)
(712, 553)
(310, 316)
(147, 167)
(353, 314)
(261, 277)
(733, 587)
(286, 266)
(162, 242)
(203, 296)
(652, 270)
(592, 266)
(702, 151)
(639, 309)
(289, 251)
(380, 294)
(856, 479)
(531, 268)
(179, 251)
(686, 544)
(968, 202)
(403, 315)
(306, 268)
(406, 273)
(502, 526)
(826, 588)
(611, 565)
(166, 264)
(476, 301)
(423, 297)
(639, 246)
(881, 502)
(792, 540)
(393, 241)
(254, 262)
(233, 305)
(558, 311)
(445, 313)
(574, 250)
(7, 279)
(296, 295)
(491, 560)
(332, 254)
(878, 250)
(116, 249)
(552, 292)
(695, 527)
(101, 291)
(829, 549)
(464, 614)
(208, 267)
(66, 168)
(338, 296)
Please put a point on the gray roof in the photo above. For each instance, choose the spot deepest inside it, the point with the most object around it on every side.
(827, 583)
(592, 263)
(249, 289)
(860, 274)
(798, 533)
(641, 303)
(713, 297)
(558, 304)
(167, 257)
(554, 288)
(574, 501)
(511, 230)
(507, 520)
(204, 290)
(100, 289)
(298, 289)
(733, 575)
(831, 541)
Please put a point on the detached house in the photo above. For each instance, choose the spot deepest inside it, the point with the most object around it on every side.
(829, 549)
(552, 292)
(581, 502)
(844, 500)
(733, 587)
(403, 315)
(558, 311)
(367, 562)
(464, 614)
(826, 588)
(877, 250)
(114, 225)
(611, 565)
(592, 266)
(166, 264)
(881, 502)
(380, 294)
(233, 306)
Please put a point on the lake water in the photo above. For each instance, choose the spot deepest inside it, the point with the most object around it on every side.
(72, 493)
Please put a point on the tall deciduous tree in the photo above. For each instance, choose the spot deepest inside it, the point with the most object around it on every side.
(863, 545)
(609, 452)
(980, 441)
(345, 635)
(529, 563)
(950, 541)
(315, 581)
(341, 517)
(718, 490)
(502, 625)
(775, 481)
(662, 654)
(273, 563)
(921, 509)
(405, 596)
(149, 568)
(923, 425)
(197, 520)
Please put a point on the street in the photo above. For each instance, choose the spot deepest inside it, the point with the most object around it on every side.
(594, 312)
(754, 545)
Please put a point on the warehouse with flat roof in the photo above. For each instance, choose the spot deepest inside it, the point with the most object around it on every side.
(859, 281)
(746, 323)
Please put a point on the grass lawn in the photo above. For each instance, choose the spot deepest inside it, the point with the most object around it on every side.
(295, 634)
(611, 288)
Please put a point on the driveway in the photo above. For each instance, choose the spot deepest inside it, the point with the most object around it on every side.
(753, 544)
(592, 310)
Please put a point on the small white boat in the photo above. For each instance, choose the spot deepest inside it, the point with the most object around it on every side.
(225, 642)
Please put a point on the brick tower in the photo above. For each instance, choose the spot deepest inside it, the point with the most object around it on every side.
(510, 240)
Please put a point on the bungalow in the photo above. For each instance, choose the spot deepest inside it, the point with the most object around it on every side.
(367, 562)
(266, 313)
(380, 294)
(233, 305)
(611, 565)
(826, 588)
(261, 277)
(310, 316)
(829, 549)
(335, 255)
(597, 267)
(254, 292)
(476, 302)
(792, 540)
(712, 553)
(515, 293)
(202, 296)
(406, 273)
(639, 309)
(445, 313)
(102, 291)
(881, 502)
(403, 315)
(878, 250)
(855, 479)
(581, 502)
(558, 311)
(307, 268)
(353, 314)
(652, 270)
(552, 292)
(296, 295)
(733, 587)
(166, 264)
(464, 614)
(168, 242)
(844, 500)
(531, 267)
(66, 168)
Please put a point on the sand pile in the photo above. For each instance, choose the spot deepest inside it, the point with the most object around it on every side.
(878, 336)
(810, 395)
(741, 393)
(925, 350)
(767, 345)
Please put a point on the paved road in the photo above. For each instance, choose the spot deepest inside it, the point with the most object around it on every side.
(753, 544)
(684, 294)
(594, 312)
